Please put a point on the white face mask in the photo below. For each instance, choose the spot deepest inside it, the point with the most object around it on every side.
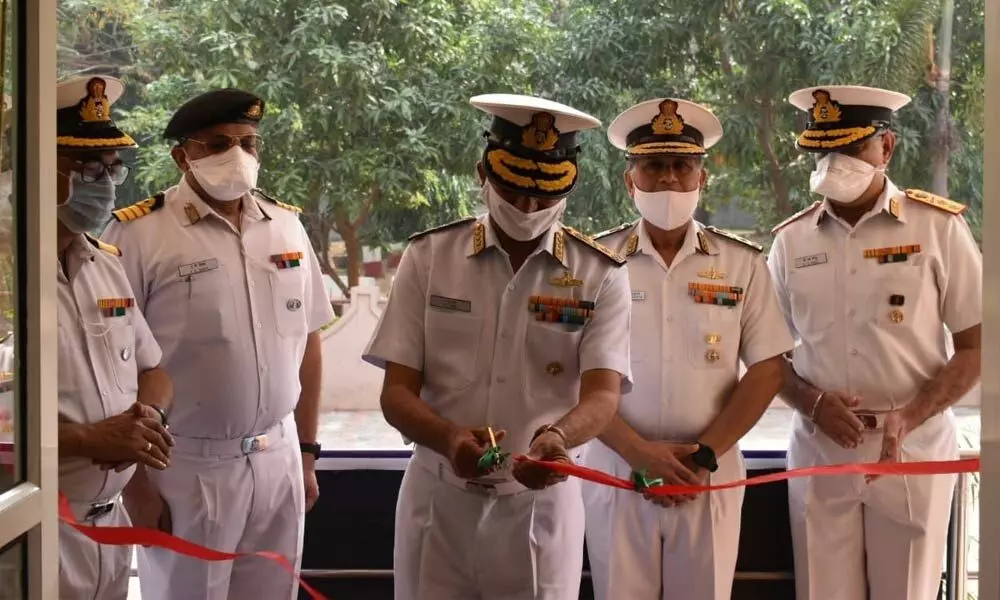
(227, 176)
(667, 209)
(519, 225)
(842, 178)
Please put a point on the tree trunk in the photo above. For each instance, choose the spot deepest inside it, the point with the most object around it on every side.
(765, 137)
(355, 252)
(942, 144)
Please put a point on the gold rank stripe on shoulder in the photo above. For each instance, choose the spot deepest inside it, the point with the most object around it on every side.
(289, 207)
(949, 206)
(796, 216)
(139, 209)
(732, 236)
(96, 243)
(425, 232)
(612, 231)
(589, 242)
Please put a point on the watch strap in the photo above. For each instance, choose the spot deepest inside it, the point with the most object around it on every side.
(163, 415)
(310, 448)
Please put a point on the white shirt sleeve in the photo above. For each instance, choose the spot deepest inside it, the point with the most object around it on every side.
(319, 312)
(131, 259)
(776, 266)
(763, 328)
(961, 279)
(605, 342)
(399, 336)
(147, 352)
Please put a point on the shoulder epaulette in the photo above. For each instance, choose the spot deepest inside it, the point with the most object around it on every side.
(732, 236)
(612, 231)
(949, 206)
(139, 209)
(589, 241)
(291, 207)
(421, 234)
(805, 211)
(96, 243)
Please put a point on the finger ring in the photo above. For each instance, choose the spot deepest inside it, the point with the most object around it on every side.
(149, 446)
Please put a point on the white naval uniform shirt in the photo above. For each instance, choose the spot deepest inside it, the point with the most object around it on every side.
(837, 302)
(100, 358)
(685, 354)
(231, 323)
(460, 315)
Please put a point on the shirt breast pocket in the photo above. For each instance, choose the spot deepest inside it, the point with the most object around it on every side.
(210, 307)
(552, 361)
(714, 340)
(810, 292)
(119, 342)
(289, 302)
(451, 349)
(896, 297)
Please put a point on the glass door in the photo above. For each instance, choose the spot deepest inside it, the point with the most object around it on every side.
(29, 552)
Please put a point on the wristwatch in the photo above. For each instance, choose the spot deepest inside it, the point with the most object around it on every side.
(163, 415)
(310, 448)
(704, 457)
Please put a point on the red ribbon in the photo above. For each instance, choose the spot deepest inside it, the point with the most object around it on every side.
(125, 536)
(942, 467)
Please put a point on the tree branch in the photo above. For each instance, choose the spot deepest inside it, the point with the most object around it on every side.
(374, 196)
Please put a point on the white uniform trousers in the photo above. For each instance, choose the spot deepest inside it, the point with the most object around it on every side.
(884, 540)
(456, 544)
(233, 504)
(88, 570)
(642, 551)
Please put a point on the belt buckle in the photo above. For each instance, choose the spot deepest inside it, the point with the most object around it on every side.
(98, 510)
(257, 443)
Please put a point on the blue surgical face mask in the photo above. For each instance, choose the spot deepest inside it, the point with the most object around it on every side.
(89, 205)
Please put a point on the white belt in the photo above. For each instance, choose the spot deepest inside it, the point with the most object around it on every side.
(272, 438)
(872, 420)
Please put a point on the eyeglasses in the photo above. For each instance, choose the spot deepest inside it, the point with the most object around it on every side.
(251, 143)
(94, 170)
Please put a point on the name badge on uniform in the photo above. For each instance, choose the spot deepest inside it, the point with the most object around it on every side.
(638, 296)
(287, 260)
(114, 307)
(810, 261)
(451, 304)
(198, 267)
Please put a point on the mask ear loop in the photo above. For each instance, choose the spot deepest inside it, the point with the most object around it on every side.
(99, 329)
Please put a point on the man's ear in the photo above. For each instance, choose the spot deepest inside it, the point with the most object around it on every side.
(629, 184)
(704, 178)
(481, 171)
(888, 146)
(180, 158)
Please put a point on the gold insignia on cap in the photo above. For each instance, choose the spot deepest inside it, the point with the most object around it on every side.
(566, 280)
(541, 133)
(668, 122)
(711, 273)
(824, 109)
(95, 107)
(255, 111)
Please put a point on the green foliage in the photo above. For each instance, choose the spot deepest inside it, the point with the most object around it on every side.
(369, 129)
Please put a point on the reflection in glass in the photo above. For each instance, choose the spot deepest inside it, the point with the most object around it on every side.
(8, 246)
(12, 571)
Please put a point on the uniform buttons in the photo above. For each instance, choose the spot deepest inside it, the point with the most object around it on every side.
(853, 271)
(258, 324)
(854, 351)
(250, 283)
(852, 235)
(501, 379)
(850, 313)
(670, 319)
(504, 334)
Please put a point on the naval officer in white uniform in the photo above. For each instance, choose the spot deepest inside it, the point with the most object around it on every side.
(511, 321)
(113, 395)
(233, 292)
(702, 301)
(868, 277)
